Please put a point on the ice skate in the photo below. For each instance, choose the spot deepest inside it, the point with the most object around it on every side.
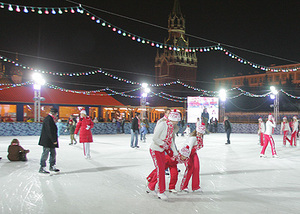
(262, 156)
(198, 190)
(149, 191)
(186, 190)
(173, 191)
(70, 143)
(162, 196)
(43, 171)
(275, 156)
(53, 169)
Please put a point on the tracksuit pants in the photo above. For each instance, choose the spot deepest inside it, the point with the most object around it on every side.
(294, 138)
(269, 138)
(285, 138)
(192, 170)
(159, 163)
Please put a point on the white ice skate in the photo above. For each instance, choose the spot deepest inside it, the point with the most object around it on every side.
(173, 191)
(262, 156)
(162, 196)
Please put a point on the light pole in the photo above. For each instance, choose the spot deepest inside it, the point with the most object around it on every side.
(143, 100)
(38, 82)
(222, 97)
(275, 96)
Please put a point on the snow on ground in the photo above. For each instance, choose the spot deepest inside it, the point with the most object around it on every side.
(234, 179)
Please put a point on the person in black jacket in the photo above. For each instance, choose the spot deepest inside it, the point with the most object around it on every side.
(48, 140)
(227, 126)
(135, 130)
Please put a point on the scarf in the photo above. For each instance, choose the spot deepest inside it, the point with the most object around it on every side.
(169, 136)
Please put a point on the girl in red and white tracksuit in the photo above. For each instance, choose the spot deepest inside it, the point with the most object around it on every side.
(195, 142)
(261, 130)
(85, 125)
(285, 129)
(294, 131)
(162, 141)
(270, 125)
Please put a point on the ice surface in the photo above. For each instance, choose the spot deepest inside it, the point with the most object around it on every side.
(233, 177)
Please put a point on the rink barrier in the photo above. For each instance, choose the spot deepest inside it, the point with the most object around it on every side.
(34, 129)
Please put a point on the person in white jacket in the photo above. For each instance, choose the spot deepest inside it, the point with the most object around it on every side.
(270, 125)
(195, 142)
(162, 141)
(261, 130)
(294, 131)
(285, 129)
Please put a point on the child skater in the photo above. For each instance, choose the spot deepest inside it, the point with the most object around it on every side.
(72, 127)
(270, 125)
(195, 142)
(162, 141)
(16, 152)
(285, 129)
(85, 125)
(187, 131)
(143, 131)
(60, 127)
(294, 131)
(261, 130)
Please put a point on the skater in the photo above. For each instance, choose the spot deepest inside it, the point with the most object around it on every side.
(85, 125)
(270, 125)
(165, 117)
(227, 126)
(195, 142)
(294, 131)
(49, 141)
(71, 127)
(163, 141)
(16, 152)
(143, 132)
(205, 119)
(135, 127)
(60, 127)
(261, 130)
(285, 129)
(122, 125)
(187, 131)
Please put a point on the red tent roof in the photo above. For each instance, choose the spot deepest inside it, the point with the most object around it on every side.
(25, 94)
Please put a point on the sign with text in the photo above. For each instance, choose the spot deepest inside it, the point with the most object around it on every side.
(196, 105)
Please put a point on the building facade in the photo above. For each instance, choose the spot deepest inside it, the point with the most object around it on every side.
(171, 65)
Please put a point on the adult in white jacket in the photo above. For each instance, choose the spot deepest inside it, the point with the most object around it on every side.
(294, 131)
(162, 141)
(270, 125)
(285, 129)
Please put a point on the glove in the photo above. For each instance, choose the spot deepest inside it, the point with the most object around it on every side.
(88, 127)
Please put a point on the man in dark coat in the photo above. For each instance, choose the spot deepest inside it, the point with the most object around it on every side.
(135, 127)
(227, 126)
(48, 140)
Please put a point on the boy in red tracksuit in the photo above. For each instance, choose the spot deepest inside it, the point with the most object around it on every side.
(285, 129)
(195, 143)
(170, 163)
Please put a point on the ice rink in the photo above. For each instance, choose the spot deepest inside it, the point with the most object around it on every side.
(234, 179)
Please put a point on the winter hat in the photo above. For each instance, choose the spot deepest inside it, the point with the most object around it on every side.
(270, 117)
(174, 115)
(83, 112)
(260, 119)
(53, 110)
(295, 117)
(284, 118)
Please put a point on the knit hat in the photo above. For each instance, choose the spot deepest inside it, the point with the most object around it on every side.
(270, 117)
(174, 115)
(295, 117)
(284, 118)
(83, 112)
(260, 119)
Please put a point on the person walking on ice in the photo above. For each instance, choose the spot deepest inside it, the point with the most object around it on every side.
(85, 125)
(285, 129)
(294, 131)
(270, 125)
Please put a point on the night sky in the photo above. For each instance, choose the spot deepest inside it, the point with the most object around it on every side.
(77, 44)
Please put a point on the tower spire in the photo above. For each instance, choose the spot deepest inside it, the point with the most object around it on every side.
(176, 9)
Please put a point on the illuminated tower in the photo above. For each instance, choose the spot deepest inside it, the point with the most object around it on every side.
(171, 65)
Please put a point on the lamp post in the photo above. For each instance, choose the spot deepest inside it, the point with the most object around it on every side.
(143, 100)
(222, 97)
(275, 96)
(38, 82)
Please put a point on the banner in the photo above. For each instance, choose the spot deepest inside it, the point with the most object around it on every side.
(196, 106)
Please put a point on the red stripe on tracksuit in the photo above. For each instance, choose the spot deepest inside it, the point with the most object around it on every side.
(293, 138)
(269, 138)
(192, 170)
(261, 139)
(285, 138)
(159, 163)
